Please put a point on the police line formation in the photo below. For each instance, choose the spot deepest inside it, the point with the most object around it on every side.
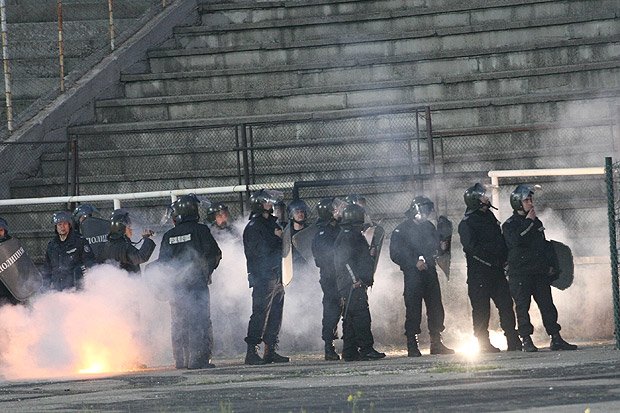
(508, 264)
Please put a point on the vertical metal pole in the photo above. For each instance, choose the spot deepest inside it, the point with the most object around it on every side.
(429, 136)
(613, 248)
(61, 46)
(253, 162)
(67, 161)
(246, 166)
(417, 137)
(239, 179)
(7, 69)
(76, 184)
(111, 18)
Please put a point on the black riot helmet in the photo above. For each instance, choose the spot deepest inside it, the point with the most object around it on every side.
(185, 208)
(119, 221)
(473, 196)
(421, 207)
(353, 215)
(258, 198)
(214, 209)
(520, 193)
(62, 216)
(298, 205)
(84, 210)
(356, 199)
(325, 209)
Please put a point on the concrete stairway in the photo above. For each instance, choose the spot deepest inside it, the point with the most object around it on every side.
(511, 84)
(32, 31)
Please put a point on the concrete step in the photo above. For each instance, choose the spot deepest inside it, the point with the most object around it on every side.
(434, 91)
(453, 65)
(217, 14)
(283, 31)
(364, 46)
(28, 11)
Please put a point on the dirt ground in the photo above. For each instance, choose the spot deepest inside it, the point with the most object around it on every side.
(575, 381)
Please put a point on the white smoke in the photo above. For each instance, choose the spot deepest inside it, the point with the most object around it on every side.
(126, 320)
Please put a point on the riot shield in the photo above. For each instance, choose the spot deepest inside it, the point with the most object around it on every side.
(302, 241)
(287, 256)
(17, 271)
(444, 228)
(374, 237)
(567, 267)
(96, 231)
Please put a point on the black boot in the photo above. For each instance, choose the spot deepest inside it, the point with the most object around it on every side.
(437, 347)
(558, 343)
(371, 354)
(513, 341)
(485, 346)
(528, 345)
(330, 352)
(270, 355)
(252, 358)
(412, 347)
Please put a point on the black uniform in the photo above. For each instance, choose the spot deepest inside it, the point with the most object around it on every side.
(530, 257)
(408, 242)
(120, 249)
(351, 249)
(323, 251)
(66, 261)
(486, 254)
(190, 247)
(263, 252)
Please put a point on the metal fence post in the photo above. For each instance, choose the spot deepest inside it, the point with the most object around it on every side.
(244, 148)
(61, 46)
(613, 249)
(7, 69)
(111, 18)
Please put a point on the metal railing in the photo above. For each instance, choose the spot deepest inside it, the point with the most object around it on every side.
(48, 44)
(612, 180)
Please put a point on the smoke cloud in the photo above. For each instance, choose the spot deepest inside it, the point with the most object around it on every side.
(119, 322)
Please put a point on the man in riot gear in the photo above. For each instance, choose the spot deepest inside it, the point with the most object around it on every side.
(190, 248)
(218, 217)
(354, 268)
(119, 247)
(486, 254)
(262, 242)
(95, 229)
(297, 216)
(323, 251)
(67, 257)
(414, 246)
(532, 266)
(5, 295)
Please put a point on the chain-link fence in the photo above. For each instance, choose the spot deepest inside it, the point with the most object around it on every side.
(612, 178)
(50, 44)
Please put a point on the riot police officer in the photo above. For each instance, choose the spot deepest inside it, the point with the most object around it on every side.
(414, 246)
(297, 216)
(354, 267)
(532, 266)
(5, 295)
(486, 254)
(92, 227)
(323, 251)
(262, 243)
(4, 230)
(67, 257)
(190, 248)
(218, 217)
(119, 247)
